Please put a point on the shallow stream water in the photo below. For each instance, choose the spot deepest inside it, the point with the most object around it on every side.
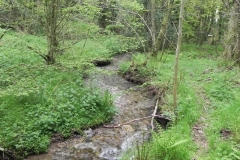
(109, 143)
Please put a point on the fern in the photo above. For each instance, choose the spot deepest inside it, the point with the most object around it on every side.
(179, 143)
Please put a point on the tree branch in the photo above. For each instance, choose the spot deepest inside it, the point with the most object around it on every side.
(138, 119)
(136, 34)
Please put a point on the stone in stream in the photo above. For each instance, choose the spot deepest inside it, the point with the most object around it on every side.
(85, 151)
(127, 128)
(109, 153)
(133, 140)
(88, 134)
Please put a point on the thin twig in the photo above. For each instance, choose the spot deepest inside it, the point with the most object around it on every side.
(132, 12)
(136, 34)
(56, 86)
(138, 119)
(85, 41)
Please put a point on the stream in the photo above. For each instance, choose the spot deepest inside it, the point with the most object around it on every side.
(109, 143)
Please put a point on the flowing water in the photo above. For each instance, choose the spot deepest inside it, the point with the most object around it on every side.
(108, 143)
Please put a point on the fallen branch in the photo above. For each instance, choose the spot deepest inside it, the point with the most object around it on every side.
(154, 113)
(5, 154)
(138, 119)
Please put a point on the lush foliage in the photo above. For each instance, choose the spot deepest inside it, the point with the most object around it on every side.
(206, 91)
(38, 101)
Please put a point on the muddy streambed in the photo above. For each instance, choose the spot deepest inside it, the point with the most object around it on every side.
(108, 143)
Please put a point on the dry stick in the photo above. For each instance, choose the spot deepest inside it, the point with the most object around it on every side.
(138, 119)
(154, 113)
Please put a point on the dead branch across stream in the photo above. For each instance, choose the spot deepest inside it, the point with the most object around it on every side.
(139, 119)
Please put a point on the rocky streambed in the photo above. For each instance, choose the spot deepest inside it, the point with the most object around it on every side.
(104, 143)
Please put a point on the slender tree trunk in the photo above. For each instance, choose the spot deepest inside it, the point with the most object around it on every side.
(147, 18)
(175, 79)
(238, 52)
(200, 28)
(220, 26)
(163, 29)
(206, 27)
(52, 11)
(153, 27)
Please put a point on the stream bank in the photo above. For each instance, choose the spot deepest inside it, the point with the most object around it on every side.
(108, 143)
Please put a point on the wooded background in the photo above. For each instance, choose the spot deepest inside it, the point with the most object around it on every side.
(151, 24)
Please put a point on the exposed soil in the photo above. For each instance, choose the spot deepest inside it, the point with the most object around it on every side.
(225, 133)
(198, 129)
(133, 76)
(199, 136)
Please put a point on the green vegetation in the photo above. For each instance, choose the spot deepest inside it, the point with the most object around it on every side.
(38, 101)
(206, 91)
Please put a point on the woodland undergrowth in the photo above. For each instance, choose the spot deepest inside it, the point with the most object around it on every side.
(201, 71)
(38, 101)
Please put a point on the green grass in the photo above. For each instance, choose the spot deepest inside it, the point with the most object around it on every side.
(201, 72)
(38, 101)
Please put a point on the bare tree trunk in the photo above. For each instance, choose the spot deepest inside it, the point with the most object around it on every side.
(52, 13)
(231, 36)
(153, 27)
(238, 52)
(175, 82)
(200, 31)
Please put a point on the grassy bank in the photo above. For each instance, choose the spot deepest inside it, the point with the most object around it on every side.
(38, 101)
(208, 97)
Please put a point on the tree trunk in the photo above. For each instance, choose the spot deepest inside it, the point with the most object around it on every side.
(238, 52)
(163, 30)
(231, 36)
(153, 25)
(200, 31)
(175, 82)
(147, 18)
(52, 11)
